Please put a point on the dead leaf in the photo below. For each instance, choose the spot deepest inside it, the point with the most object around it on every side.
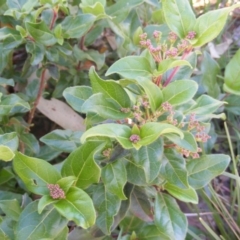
(60, 113)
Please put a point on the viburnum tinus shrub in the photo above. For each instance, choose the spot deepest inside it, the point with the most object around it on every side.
(143, 148)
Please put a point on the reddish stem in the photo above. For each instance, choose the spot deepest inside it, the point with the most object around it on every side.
(173, 73)
(40, 90)
(53, 19)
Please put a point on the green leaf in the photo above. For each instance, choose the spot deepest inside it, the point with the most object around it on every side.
(185, 195)
(31, 144)
(207, 167)
(66, 182)
(131, 67)
(179, 92)
(168, 217)
(185, 72)
(77, 207)
(114, 177)
(107, 206)
(29, 5)
(97, 9)
(77, 26)
(168, 64)
(41, 33)
(209, 25)
(140, 204)
(151, 131)
(18, 4)
(44, 202)
(173, 169)
(35, 173)
(144, 166)
(32, 225)
(232, 75)
(81, 164)
(210, 69)
(62, 140)
(6, 154)
(151, 232)
(11, 208)
(12, 104)
(188, 142)
(119, 132)
(179, 16)
(7, 226)
(104, 107)
(5, 81)
(109, 88)
(153, 92)
(233, 104)
(6, 174)
(76, 96)
(6, 32)
(205, 105)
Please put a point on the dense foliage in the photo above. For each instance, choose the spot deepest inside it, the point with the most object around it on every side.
(146, 139)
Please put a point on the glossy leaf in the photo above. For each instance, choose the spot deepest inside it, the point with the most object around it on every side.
(209, 25)
(62, 140)
(205, 105)
(4, 81)
(210, 69)
(179, 16)
(187, 142)
(144, 165)
(35, 173)
(77, 207)
(207, 167)
(11, 208)
(153, 92)
(32, 225)
(77, 26)
(179, 92)
(185, 72)
(107, 206)
(168, 217)
(6, 154)
(117, 131)
(114, 177)
(173, 169)
(168, 64)
(151, 131)
(81, 164)
(109, 88)
(232, 75)
(41, 33)
(151, 232)
(140, 205)
(185, 195)
(131, 67)
(104, 107)
(12, 104)
(6, 174)
(76, 96)
(44, 202)
(10, 140)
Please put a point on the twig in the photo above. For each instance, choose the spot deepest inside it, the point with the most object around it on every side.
(40, 90)
(185, 54)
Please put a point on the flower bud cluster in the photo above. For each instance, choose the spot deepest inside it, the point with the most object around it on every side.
(161, 51)
(134, 138)
(200, 136)
(187, 153)
(107, 152)
(56, 192)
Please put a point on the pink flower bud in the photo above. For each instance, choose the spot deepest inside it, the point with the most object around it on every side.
(134, 138)
(55, 191)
